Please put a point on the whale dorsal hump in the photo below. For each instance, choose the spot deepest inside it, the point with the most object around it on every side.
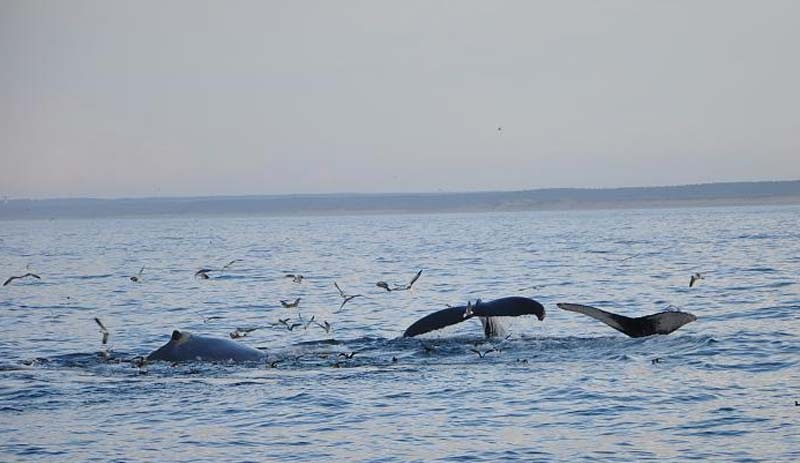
(176, 335)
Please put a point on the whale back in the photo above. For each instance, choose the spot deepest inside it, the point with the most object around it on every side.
(185, 347)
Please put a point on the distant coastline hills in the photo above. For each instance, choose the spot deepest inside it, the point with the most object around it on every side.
(709, 194)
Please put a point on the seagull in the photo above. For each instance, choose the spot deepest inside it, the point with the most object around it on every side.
(695, 277)
(483, 354)
(384, 285)
(212, 318)
(203, 273)
(345, 297)
(346, 355)
(138, 276)
(241, 332)
(29, 274)
(656, 360)
(309, 322)
(289, 305)
(285, 322)
(103, 330)
(624, 258)
(470, 310)
(324, 325)
(274, 363)
(227, 266)
(296, 278)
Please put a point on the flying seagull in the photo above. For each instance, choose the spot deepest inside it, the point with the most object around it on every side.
(103, 330)
(203, 273)
(29, 274)
(228, 265)
(694, 278)
(325, 326)
(345, 297)
(290, 327)
(384, 285)
(483, 354)
(138, 276)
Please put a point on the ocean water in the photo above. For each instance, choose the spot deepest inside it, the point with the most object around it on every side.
(568, 388)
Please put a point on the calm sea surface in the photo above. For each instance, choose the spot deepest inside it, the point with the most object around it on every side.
(565, 389)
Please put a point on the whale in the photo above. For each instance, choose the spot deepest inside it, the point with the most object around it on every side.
(648, 325)
(184, 346)
(488, 312)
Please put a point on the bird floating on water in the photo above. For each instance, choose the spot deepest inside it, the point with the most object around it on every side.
(29, 274)
(296, 278)
(289, 305)
(241, 332)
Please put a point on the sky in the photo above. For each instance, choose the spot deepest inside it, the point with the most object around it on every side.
(187, 98)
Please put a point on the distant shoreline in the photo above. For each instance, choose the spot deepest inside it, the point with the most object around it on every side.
(703, 195)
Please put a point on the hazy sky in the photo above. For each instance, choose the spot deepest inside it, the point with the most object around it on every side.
(136, 98)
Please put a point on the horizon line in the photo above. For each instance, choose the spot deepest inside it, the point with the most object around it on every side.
(7, 198)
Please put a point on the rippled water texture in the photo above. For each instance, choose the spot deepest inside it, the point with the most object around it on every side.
(567, 388)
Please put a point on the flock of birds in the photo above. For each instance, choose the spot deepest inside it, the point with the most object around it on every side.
(300, 322)
(287, 323)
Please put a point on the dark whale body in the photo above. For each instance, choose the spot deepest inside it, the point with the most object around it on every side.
(505, 307)
(186, 347)
(659, 323)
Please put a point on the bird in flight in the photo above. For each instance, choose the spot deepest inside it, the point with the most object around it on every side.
(138, 276)
(203, 272)
(324, 325)
(103, 330)
(29, 274)
(345, 297)
(694, 278)
(290, 327)
(483, 354)
(228, 265)
(384, 285)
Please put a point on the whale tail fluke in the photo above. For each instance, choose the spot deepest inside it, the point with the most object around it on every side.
(618, 322)
(659, 323)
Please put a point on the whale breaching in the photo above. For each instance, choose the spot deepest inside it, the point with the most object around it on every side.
(505, 307)
(659, 323)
